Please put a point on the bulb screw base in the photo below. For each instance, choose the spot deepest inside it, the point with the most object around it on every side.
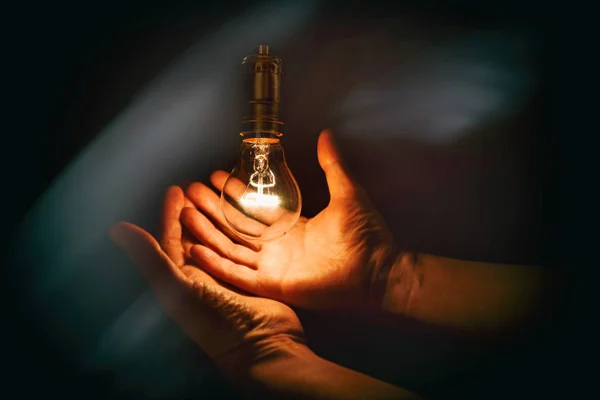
(263, 73)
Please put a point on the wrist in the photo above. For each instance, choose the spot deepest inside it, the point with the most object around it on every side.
(250, 366)
(282, 371)
(298, 373)
(393, 281)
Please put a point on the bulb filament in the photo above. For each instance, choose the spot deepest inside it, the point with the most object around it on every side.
(257, 192)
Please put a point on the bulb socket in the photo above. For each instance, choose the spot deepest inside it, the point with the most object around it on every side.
(262, 84)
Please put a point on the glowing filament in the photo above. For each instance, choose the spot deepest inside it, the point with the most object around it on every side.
(259, 200)
(263, 180)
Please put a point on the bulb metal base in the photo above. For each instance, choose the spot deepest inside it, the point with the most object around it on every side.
(263, 73)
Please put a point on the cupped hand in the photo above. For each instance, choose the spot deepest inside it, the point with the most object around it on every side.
(338, 259)
(236, 330)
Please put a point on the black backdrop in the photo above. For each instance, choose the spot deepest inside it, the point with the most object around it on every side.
(76, 67)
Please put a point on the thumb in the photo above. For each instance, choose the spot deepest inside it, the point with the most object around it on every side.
(162, 274)
(340, 184)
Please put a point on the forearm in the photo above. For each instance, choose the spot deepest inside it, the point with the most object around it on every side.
(464, 295)
(296, 372)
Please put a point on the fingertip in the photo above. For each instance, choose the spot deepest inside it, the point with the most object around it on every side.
(219, 173)
(339, 179)
(323, 136)
(174, 198)
(187, 215)
(175, 190)
(326, 133)
(197, 190)
(136, 242)
(327, 151)
(119, 233)
(192, 188)
(197, 193)
(173, 202)
(218, 178)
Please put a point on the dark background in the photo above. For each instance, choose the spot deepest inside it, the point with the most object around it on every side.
(68, 60)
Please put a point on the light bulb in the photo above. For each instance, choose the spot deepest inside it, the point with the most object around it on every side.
(261, 200)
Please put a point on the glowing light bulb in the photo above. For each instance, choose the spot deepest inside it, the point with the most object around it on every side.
(261, 200)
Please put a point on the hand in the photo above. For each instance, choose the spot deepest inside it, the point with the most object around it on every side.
(257, 343)
(234, 329)
(338, 259)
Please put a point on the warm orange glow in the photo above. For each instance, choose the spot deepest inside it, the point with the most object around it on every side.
(255, 200)
(261, 140)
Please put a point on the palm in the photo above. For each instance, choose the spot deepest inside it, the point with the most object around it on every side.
(279, 319)
(232, 327)
(323, 262)
(310, 265)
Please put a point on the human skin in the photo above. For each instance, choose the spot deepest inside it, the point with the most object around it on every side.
(346, 258)
(257, 343)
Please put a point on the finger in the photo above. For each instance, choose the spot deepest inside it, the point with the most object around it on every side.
(209, 203)
(218, 179)
(205, 231)
(339, 181)
(165, 278)
(236, 220)
(228, 271)
(235, 187)
(187, 242)
(201, 308)
(171, 234)
(188, 202)
(197, 275)
(187, 239)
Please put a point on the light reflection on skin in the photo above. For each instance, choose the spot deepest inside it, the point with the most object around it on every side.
(117, 174)
(63, 240)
